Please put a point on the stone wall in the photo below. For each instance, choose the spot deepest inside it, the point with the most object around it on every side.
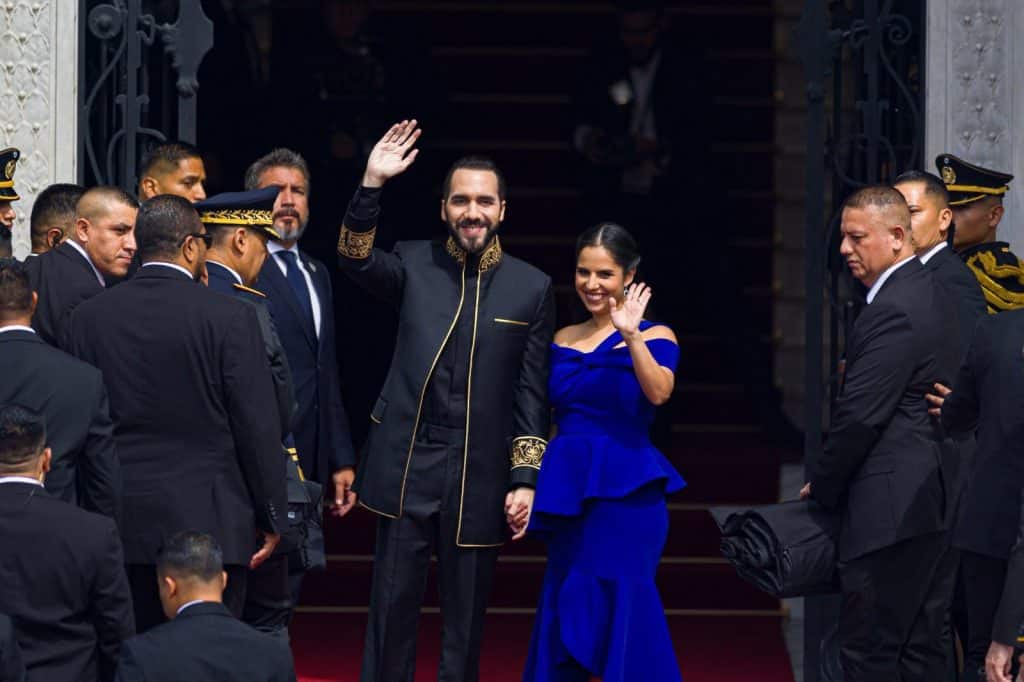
(39, 90)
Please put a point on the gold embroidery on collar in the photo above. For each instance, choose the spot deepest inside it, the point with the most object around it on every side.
(528, 451)
(356, 245)
(488, 259)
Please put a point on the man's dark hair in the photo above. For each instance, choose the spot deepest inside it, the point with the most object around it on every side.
(616, 240)
(190, 555)
(882, 197)
(477, 163)
(22, 436)
(282, 156)
(933, 186)
(55, 206)
(162, 225)
(166, 157)
(15, 289)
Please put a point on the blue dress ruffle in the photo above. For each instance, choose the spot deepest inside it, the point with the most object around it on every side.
(600, 506)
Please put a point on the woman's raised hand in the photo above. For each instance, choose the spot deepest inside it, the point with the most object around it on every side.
(627, 314)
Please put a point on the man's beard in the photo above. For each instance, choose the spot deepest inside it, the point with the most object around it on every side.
(289, 234)
(478, 244)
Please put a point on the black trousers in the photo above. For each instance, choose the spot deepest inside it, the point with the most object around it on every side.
(268, 600)
(149, 612)
(982, 579)
(428, 526)
(893, 615)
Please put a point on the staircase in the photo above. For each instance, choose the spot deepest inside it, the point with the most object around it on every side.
(507, 67)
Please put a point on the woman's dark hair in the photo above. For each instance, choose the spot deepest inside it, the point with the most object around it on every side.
(616, 240)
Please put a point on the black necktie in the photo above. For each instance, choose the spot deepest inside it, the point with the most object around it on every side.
(298, 283)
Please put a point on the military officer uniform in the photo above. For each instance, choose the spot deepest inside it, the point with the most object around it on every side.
(998, 270)
(268, 604)
(461, 420)
(8, 164)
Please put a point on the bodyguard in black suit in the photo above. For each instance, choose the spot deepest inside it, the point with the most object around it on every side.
(302, 303)
(459, 431)
(881, 468)
(193, 402)
(63, 582)
(931, 218)
(1008, 625)
(986, 397)
(202, 642)
(67, 392)
(101, 246)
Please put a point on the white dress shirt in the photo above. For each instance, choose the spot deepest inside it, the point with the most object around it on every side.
(174, 266)
(16, 328)
(934, 250)
(873, 291)
(274, 248)
(188, 604)
(78, 247)
(21, 479)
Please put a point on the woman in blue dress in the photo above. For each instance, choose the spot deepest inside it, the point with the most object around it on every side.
(600, 501)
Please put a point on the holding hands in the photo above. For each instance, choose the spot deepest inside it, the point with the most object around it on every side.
(391, 155)
(518, 505)
(627, 314)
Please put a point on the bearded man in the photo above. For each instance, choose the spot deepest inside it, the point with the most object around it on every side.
(459, 430)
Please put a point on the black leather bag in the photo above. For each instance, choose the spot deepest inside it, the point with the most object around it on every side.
(787, 549)
(305, 520)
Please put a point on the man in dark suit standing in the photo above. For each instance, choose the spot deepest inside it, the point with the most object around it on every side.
(67, 392)
(202, 642)
(986, 397)
(881, 465)
(101, 246)
(193, 403)
(302, 302)
(63, 571)
(1008, 625)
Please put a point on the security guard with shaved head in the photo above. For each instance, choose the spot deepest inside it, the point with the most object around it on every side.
(976, 197)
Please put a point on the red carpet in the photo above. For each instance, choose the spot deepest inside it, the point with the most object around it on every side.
(710, 649)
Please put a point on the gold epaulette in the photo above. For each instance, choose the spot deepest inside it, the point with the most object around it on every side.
(528, 451)
(1001, 276)
(248, 290)
(356, 245)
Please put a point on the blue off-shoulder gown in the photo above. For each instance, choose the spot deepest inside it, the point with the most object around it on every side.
(600, 507)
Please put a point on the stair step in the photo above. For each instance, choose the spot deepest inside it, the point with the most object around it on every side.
(518, 585)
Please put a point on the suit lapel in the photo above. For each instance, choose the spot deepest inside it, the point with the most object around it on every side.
(273, 283)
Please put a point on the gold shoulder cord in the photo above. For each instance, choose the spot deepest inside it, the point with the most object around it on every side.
(357, 245)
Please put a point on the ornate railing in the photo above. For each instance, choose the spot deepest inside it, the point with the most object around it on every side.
(139, 79)
(864, 63)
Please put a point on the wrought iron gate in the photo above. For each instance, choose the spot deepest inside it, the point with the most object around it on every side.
(864, 63)
(139, 61)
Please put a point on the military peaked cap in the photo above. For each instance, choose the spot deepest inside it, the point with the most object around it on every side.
(966, 182)
(253, 209)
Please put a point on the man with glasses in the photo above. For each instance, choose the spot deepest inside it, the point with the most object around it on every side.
(197, 428)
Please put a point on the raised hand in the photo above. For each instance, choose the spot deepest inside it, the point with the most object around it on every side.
(627, 315)
(391, 155)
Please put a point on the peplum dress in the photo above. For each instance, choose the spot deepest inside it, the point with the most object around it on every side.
(600, 508)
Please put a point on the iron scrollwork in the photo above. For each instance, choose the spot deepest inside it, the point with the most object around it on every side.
(123, 69)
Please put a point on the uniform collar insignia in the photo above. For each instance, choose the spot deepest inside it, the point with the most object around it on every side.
(488, 259)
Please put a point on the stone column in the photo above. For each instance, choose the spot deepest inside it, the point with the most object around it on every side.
(39, 95)
(974, 93)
